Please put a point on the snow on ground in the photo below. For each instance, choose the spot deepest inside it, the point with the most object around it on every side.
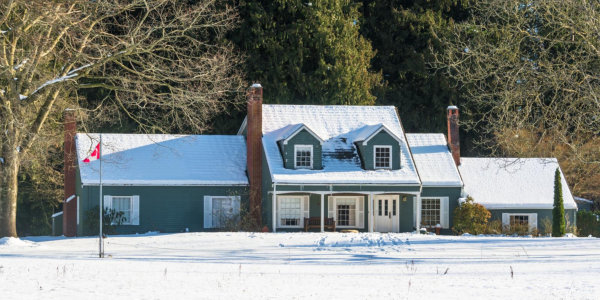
(300, 265)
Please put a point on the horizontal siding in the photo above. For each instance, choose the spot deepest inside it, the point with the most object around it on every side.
(163, 209)
(302, 138)
(380, 139)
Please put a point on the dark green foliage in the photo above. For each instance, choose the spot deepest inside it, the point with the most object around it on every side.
(110, 221)
(588, 223)
(307, 52)
(404, 33)
(471, 218)
(558, 212)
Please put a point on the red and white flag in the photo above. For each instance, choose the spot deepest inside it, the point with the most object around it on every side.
(94, 156)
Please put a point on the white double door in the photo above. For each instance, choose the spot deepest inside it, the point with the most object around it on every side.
(386, 213)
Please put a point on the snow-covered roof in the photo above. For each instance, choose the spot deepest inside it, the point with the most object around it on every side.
(163, 159)
(505, 183)
(338, 127)
(291, 130)
(433, 159)
(369, 131)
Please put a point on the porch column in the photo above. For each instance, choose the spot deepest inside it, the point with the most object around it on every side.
(418, 219)
(274, 208)
(370, 219)
(322, 212)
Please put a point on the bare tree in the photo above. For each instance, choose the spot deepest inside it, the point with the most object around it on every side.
(530, 75)
(162, 61)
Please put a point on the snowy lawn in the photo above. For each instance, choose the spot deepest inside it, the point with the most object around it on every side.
(300, 265)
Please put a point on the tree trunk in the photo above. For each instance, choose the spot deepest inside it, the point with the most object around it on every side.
(8, 190)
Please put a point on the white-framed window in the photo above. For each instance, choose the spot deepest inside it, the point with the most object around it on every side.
(221, 210)
(127, 206)
(291, 211)
(303, 156)
(519, 219)
(382, 157)
(348, 211)
(435, 211)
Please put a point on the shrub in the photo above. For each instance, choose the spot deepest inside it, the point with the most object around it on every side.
(470, 217)
(494, 227)
(587, 223)
(546, 226)
(518, 229)
(110, 221)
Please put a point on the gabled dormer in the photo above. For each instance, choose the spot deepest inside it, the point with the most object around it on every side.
(301, 148)
(378, 147)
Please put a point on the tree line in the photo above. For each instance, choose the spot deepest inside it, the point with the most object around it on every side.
(525, 75)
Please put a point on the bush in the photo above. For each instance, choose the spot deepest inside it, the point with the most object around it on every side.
(587, 223)
(494, 227)
(558, 212)
(546, 226)
(518, 229)
(110, 221)
(470, 217)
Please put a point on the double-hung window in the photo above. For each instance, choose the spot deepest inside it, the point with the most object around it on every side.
(303, 156)
(430, 212)
(291, 210)
(435, 211)
(125, 209)
(219, 211)
(382, 157)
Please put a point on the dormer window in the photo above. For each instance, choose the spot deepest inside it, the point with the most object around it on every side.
(383, 157)
(303, 156)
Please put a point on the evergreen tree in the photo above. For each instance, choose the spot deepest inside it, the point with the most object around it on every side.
(558, 212)
(307, 52)
(404, 33)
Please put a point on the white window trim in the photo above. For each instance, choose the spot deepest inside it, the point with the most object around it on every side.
(530, 219)
(444, 211)
(375, 155)
(356, 211)
(236, 202)
(303, 199)
(311, 156)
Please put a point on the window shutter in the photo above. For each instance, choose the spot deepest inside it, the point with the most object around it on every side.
(207, 212)
(135, 210)
(361, 212)
(533, 221)
(505, 220)
(330, 207)
(305, 208)
(445, 212)
(107, 202)
(78, 210)
(236, 205)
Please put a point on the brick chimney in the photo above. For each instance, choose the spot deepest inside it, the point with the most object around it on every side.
(453, 139)
(254, 150)
(70, 207)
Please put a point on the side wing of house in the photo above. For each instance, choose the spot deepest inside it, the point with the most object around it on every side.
(165, 183)
(517, 191)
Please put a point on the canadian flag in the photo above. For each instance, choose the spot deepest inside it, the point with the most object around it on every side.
(94, 156)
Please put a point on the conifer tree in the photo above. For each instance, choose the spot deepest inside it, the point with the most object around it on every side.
(558, 212)
(307, 52)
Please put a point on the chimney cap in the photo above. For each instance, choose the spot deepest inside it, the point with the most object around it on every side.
(452, 107)
(257, 85)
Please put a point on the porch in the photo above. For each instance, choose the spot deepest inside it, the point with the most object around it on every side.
(368, 209)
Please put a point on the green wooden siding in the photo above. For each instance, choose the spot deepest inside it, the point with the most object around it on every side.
(407, 220)
(570, 215)
(453, 193)
(302, 138)
(162, 208)
(380, 139)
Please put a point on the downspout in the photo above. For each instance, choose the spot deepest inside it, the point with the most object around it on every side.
(274, 208)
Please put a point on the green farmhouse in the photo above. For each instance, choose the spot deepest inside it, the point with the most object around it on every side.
(295, 168)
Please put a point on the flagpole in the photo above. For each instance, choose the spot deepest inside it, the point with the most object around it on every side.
(100, 244)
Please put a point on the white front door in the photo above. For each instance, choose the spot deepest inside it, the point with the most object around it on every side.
(386, 213)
